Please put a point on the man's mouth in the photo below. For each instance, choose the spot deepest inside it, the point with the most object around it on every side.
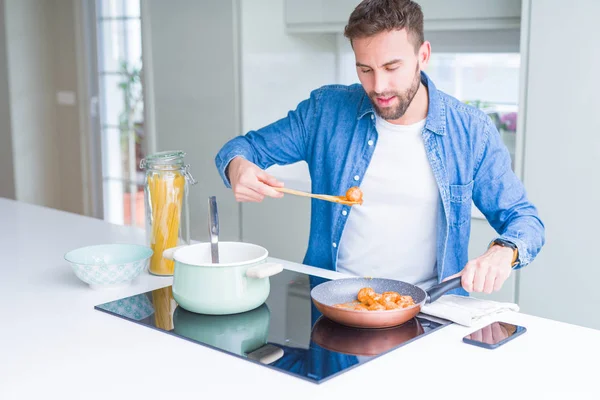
(385, 101)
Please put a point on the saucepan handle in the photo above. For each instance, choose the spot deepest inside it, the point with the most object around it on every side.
(267, 354)
(170, 253)
(435, 292)
(264, 270)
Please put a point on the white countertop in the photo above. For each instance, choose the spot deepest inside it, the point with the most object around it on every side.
(53, 344)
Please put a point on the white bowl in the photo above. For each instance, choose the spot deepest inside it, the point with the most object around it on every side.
(109, 265)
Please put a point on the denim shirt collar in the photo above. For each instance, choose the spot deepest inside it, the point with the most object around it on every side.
(436, 113)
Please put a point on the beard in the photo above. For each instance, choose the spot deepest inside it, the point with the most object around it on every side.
(404, 99)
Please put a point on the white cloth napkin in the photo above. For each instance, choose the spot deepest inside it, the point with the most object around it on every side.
(465, 310)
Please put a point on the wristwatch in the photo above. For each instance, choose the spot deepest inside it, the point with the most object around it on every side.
(506, 243)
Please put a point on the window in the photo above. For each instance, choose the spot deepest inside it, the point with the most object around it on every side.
(121, 109)
(488, 81)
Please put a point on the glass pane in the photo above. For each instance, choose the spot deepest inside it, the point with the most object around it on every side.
(133, 205)
(133, 32)
(121, 43)
(112, 105)
(479, 77)
(119, 8)
(112, 148)
(115, 90)
(122, 152)
(132, 8)
(112, 49)
(113, 191)
(123, 202)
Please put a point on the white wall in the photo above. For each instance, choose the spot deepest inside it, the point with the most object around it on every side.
(7, 182)
(195, 104)
(40, 43)
(562, 152)
(278, 72)
(33, 112)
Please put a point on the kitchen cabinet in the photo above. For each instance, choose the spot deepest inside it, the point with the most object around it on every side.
(471, 14)
(302, 16)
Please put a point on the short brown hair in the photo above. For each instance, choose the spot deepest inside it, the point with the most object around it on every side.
(371, 17)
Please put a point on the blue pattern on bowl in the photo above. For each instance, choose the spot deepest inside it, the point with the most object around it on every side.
(109, 265)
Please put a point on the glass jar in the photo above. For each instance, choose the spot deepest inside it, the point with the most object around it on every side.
(166, 203)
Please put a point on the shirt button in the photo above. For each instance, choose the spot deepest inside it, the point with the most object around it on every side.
(356, 177)
(344, 212)
(334, 244)
(370, 142)
(372, 116)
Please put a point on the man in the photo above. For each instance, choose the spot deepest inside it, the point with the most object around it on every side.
(420, 157)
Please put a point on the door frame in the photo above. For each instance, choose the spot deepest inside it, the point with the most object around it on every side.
(89, 110)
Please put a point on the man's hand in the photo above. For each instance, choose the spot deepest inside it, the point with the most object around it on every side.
(250, 183)
(487, 273)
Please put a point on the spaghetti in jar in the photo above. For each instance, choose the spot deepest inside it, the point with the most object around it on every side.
(166, 190)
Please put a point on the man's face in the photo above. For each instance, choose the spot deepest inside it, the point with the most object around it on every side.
(389, 70)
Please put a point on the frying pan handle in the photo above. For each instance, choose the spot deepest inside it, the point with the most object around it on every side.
(435, 292)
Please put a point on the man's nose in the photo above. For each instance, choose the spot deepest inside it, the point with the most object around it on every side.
(380, 83)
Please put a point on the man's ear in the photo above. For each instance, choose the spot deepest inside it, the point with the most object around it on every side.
(424, 54)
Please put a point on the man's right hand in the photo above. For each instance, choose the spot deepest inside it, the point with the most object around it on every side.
(250, 183)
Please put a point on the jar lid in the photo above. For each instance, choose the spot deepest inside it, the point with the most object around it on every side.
(166, 160)
(163, 158)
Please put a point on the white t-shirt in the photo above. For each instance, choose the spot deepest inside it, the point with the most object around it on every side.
(393, 234)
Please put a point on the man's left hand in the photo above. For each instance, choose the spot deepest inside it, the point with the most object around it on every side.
(487, 273)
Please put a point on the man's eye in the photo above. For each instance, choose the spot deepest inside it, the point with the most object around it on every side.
(365, 71)
(391, 68)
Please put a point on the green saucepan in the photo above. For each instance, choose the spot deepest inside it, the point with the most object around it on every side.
(238, 283)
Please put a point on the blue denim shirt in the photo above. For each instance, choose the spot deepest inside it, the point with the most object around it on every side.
(334, 132)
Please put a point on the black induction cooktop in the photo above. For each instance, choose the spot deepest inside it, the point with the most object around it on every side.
(287, 333)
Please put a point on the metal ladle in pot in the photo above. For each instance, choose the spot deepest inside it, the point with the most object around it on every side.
(213, 229)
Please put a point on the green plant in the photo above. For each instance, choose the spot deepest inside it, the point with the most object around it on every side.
(131, 86)
(483, 105)
(478, 103)
(130, 118)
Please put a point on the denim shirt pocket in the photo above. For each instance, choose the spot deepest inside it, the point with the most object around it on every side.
(461, 197)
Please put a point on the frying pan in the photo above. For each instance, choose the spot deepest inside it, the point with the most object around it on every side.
(327, 294)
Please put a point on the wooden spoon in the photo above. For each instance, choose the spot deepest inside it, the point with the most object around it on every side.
(335, 199)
